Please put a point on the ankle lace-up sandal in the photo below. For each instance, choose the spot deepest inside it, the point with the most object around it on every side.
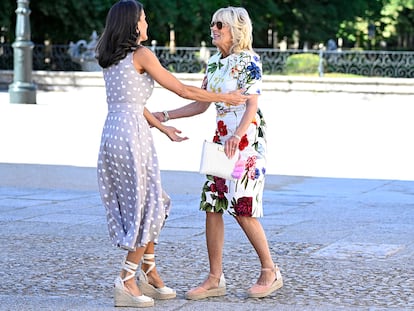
(123, 298)
(260, 291)
(149, 289)
(201, 292)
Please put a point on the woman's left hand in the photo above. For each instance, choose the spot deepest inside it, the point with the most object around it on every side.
(172, 133)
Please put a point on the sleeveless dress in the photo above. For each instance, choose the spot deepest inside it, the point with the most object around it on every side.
(128, 173)
(242, 197)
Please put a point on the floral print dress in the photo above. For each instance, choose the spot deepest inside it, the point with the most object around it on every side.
(242, 196)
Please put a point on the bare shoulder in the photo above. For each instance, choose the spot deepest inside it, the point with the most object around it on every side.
(144, 57)
(143, 53)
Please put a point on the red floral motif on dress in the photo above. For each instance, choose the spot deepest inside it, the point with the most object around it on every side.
(251, 166)
(216, 138)
(244, 142)
(219, 186)
(222, 128)
(243, 207)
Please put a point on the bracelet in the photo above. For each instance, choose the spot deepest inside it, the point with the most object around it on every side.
(166, 115)
(237, 136)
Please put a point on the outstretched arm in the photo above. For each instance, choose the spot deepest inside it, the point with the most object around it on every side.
(189, 110)
(170, 131)
(146, 61)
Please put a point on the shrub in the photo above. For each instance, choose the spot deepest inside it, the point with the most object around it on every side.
(302, 64)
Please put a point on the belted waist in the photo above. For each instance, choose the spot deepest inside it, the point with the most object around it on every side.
(123, 107)
(221, 109)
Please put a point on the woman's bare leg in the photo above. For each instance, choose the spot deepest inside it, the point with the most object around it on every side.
(257, 237)
(215, 242)
(153, 276)
(134, 257)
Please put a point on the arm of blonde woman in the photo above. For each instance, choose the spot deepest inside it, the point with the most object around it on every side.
(189, 110)
(170, 131)
(146, 61)
(232, 143)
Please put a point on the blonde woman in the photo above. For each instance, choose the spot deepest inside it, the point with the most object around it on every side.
(235, 66)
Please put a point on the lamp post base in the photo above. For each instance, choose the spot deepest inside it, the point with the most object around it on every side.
(22, 93)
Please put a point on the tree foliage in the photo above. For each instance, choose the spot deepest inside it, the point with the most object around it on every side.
(304, 21)
(397, 23)
(59, 21)
(314, 21)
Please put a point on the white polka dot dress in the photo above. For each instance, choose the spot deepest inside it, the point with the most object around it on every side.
(128, 172)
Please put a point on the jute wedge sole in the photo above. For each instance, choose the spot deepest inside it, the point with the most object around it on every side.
(162, 293)
(125, 299)
(122, 297)
(205, 293)
(146, 288)
(214, 292)
(260, 291)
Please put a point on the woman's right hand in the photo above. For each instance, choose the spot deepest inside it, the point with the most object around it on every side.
(230, 146)
(159, 116)
(237, 97)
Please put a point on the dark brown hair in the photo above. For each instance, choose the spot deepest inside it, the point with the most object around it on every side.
(120, 34)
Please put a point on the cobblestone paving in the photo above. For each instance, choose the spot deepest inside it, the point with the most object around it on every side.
(56, 255)
(84, 266)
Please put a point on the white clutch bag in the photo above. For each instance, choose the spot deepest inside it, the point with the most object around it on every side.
(215, 162)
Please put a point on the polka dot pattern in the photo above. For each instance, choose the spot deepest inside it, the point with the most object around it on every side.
(128, 173)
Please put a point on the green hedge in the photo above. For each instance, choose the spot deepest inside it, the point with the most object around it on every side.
(302, 64)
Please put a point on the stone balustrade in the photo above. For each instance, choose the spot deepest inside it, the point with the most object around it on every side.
(53, 80)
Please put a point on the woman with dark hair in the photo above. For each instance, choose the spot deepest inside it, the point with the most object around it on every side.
(128, 172)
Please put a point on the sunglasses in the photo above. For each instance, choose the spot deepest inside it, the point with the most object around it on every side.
(218, 24)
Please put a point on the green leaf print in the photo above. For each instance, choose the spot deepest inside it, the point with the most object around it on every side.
(212, 67)
(260, 134)
(205, 206)
(221, 205)
(256, 145)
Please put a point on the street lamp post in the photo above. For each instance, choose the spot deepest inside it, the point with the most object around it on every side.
(23, 90)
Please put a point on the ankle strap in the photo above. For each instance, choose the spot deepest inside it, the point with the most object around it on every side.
(274, 269)
(150, 263)
(268, 269)
(131, 268)
(214, 276)
(149, 256)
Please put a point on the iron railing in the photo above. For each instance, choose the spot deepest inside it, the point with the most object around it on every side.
(363, 63)
(188, 59)
(45, 57)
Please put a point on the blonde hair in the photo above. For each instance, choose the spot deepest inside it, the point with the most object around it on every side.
(240, 25)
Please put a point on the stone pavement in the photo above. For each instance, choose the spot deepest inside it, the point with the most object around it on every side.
(341, 244)
(343, 237)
